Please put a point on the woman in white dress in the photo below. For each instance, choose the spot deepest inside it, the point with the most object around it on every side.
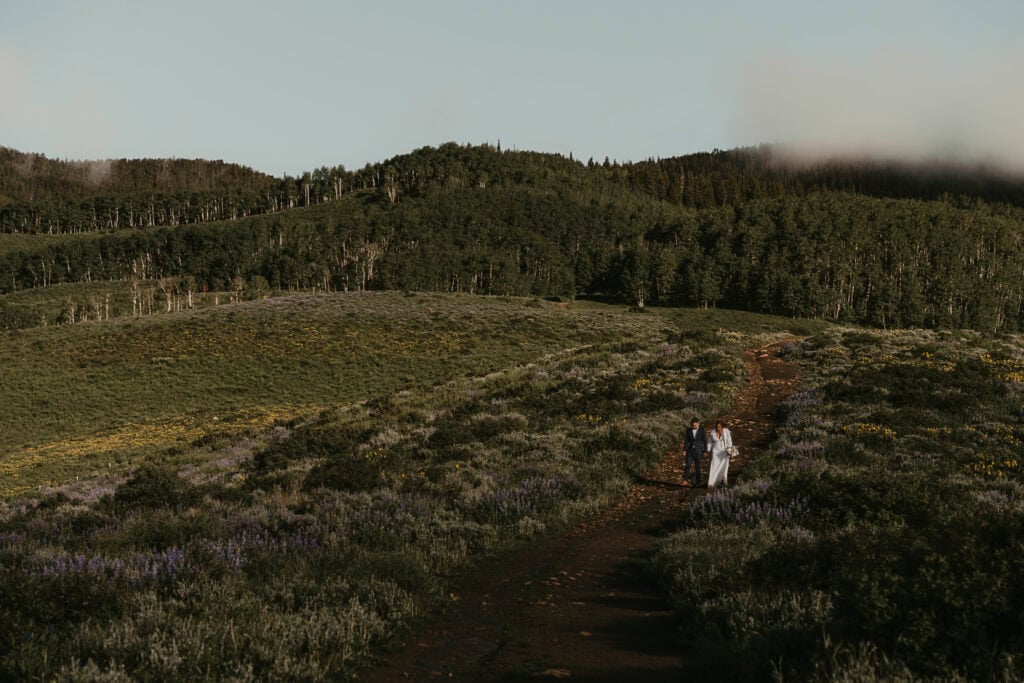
(720, 442)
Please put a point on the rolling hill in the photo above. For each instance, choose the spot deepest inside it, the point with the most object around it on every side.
(867, 244)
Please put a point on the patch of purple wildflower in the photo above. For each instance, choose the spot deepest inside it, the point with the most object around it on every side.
(158, 566)
(803, 449)
(9, 537)
(724, 507)
(699, 398)
(393, 516)
(530, 496)
(800, 410)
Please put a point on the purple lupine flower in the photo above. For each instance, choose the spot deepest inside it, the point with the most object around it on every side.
(391, 515)
(797, 406)
(802, 449)
(162, 565)
(724, 507)
(250, 538)
(807, 398)
(760, 485)
(9, 537)
(93, 494)
(699, 398)
(93, 566)
(528, 497)
(228, 552)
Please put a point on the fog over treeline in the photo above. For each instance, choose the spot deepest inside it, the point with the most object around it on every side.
(910, 105)
(868, 242)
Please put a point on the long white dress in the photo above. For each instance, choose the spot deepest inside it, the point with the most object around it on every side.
(720, 446)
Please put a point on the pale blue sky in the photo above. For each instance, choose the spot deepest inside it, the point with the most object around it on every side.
(288, 86)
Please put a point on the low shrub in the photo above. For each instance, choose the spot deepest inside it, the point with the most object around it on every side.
(151, 487)
(363, 471)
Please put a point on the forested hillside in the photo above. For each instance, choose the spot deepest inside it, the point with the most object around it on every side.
(883, 245)
(41, 195)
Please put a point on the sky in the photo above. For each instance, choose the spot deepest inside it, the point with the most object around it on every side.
(286, 87)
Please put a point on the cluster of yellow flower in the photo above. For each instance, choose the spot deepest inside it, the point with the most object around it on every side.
(993, 468)
(869, 428)
(1000, 433)
(944, 431)
(375, 454)
(1008, 370)
(583, 417)
(947, 431)
(646, 383)
(141, 438)
(926, 360)
(1007, 434)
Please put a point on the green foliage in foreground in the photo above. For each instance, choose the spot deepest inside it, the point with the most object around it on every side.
(884, 539)
(297, 553)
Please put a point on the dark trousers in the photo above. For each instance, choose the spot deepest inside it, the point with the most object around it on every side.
(692, 459)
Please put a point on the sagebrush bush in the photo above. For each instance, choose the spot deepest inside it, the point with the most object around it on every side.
(152, 486)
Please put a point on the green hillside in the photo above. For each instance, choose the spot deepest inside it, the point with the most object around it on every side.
(78, 396)
(34, 177)
(276, 489)
(829, 242)
(51, 196)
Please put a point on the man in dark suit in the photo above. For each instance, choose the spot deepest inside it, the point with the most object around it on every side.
(694, 444)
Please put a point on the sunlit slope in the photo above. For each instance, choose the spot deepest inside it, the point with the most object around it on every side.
(88, 395)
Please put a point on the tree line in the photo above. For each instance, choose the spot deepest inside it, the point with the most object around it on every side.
(48, 196)
(55, 197)
(844, 257)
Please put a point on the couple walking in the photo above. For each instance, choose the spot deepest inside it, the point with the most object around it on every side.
(718, 443)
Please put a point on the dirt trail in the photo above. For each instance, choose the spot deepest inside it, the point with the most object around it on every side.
(578, 604)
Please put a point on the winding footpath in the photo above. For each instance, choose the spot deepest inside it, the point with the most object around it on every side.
(579, 604)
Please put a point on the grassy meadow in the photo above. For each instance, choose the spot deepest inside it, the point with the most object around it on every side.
(82, 396)
(275, 490)
(103, 300)
(884, 538)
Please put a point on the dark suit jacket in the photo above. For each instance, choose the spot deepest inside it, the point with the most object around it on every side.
(692, 445)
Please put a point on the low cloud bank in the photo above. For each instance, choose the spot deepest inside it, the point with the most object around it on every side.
(900, 106)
